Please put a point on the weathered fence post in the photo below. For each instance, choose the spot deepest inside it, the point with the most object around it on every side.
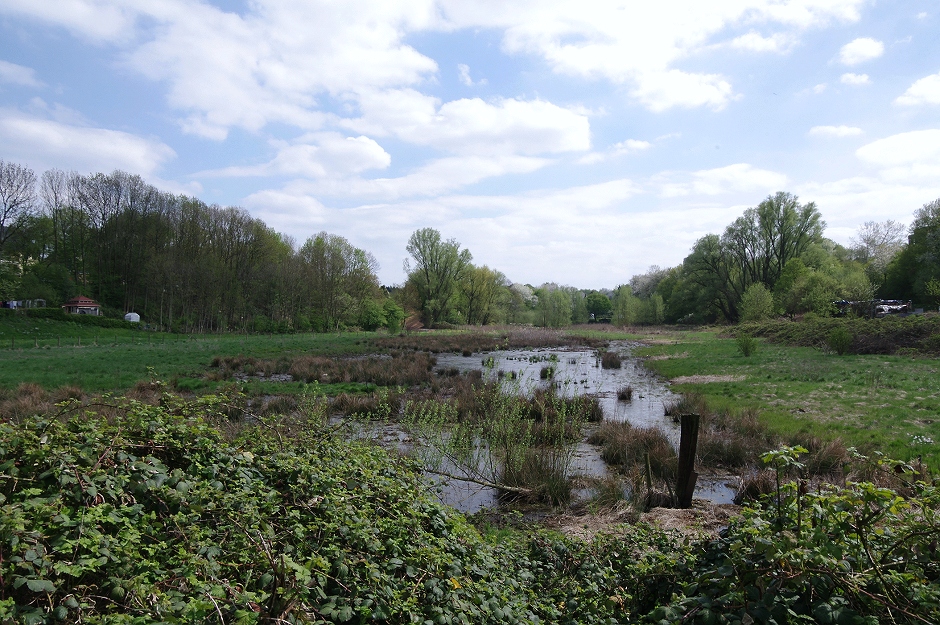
(688, 441)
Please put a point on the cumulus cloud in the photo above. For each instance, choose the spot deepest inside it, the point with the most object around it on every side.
(755, 42)
(855, 79)
(732, 178)
(661, 91)
(318, 156)
(52, 143)
(275, 61)
(835, 131)
(18, 75)
(437, 176)
(639, 44)
(924, 91)
(472, 125)
(919, 146)
(861, 50)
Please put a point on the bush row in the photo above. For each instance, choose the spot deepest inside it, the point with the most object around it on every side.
(148, 514)
(888, 335)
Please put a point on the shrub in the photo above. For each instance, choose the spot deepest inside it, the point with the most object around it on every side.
(757, 303)
(747, 344)
(839, 340)
(625, 393)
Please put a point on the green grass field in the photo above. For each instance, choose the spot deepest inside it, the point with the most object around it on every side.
(54, 354)
(885, 403)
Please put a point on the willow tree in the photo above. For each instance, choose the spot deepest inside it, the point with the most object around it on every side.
(754, 248)
(439, 267)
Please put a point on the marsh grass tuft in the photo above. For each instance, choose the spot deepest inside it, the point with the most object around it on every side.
(625, 446)
(611, 360)
(625, 393)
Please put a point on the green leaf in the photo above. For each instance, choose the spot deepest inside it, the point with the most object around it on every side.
(40, 585)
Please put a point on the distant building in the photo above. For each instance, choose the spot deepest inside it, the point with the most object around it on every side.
(81, 305)
(132, 317)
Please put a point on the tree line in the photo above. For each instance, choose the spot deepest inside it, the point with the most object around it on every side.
(188, 266)
(178, 262)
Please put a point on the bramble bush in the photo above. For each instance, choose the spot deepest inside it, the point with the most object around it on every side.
(854, 555)
(144, 514)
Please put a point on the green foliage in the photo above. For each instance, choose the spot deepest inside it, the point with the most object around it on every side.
(855, 555)
(439, 267)
(747, 344)
(908, 275)
(554, 307)
(839, 340)
(757, 303)
(151, 515)
(394, 316)
(371, 315)
(154, 517)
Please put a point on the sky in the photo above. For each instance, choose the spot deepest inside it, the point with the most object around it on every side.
(559, 141)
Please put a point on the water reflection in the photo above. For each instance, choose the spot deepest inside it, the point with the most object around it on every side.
(575, 372)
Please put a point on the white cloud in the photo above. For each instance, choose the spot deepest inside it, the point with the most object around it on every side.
(437, 176)
(755, 42)
(277, 59)
(97, 20)
(835, 131)
(740, 177)
(861, 50)
(855, 79)
(639, 43)
(664, 90)
(463, 72)
(473, 126)
(924, 91)
(819, 88)
(318, 156)
(51, 143)
(905, 155)
(630, 146)
(18, 75)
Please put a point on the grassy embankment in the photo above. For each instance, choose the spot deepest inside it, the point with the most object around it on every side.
(877, 402)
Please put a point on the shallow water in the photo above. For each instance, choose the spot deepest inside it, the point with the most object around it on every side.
(578, 372)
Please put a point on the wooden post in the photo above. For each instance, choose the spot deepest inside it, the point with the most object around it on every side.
(688, 441)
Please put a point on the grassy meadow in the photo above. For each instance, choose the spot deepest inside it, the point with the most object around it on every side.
(876, 402)
(887, 403)
(55, 354)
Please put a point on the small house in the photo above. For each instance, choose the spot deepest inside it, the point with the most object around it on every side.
(82, 305)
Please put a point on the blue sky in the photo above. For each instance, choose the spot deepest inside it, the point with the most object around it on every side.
(574, 142)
